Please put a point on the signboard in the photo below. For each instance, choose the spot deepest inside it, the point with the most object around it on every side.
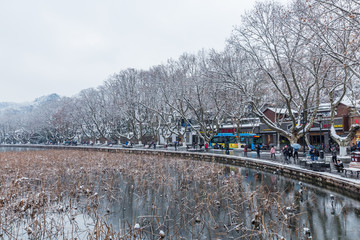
(325, 125)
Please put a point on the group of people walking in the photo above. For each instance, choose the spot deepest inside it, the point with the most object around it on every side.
(290, 152)
(257, 149)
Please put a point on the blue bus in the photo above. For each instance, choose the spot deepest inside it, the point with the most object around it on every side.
(250, 139)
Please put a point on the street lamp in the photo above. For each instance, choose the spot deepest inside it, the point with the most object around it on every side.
(303, 122)
(320, 118)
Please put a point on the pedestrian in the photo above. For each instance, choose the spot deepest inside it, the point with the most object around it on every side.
(290, 149)
(333, 154)
(296, 154)
(290, 153)
(353, 147)
(317, 154)
(312, 154)
(175, 144)
(245, 150)
(272, 152)
(339, 166)
(258, 150)
(285, 153)
(206, 146)
(227, 148)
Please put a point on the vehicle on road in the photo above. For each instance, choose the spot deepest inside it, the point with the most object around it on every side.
(250, 139)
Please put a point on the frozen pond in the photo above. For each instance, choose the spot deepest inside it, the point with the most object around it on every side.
(18, 149)
(68, 194)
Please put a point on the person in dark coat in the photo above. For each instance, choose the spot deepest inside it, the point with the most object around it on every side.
(333, 155)
(312, 154)
(227, 148)
(339, 166)
(317, 154)
(258, 150)
(290, 151)
(286, 153)
(245, 150)
(296, 154)
(353, 147)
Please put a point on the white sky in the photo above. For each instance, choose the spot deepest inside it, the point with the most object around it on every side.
(66, 46)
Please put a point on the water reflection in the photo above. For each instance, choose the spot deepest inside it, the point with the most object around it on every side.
(19, 149)
(326, 214)
(266, 205)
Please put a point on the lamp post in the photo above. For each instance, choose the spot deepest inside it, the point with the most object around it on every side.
(303, 122)
(321, 151)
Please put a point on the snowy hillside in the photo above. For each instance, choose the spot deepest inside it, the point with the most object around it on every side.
(9, 107)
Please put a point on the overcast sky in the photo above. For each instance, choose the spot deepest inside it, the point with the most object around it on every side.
(66, 46)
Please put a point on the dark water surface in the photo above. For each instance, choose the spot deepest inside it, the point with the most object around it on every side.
(303, 210)
(19, 149)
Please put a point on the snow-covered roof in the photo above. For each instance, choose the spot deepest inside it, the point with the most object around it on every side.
(280, 110)
(241, 125)
(324, 106)
(350, 102)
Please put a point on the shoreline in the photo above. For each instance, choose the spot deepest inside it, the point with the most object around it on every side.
(328, 180)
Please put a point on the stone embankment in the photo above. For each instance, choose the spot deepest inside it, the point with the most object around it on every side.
(322, 179)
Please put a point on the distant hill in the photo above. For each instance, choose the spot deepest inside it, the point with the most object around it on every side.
(47, 98)
(10, 107)
(6, 104)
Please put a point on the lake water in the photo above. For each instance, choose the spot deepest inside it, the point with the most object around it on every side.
(18, 149)
(124, 196)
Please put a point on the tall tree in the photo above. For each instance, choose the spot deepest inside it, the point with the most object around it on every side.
(272, 39)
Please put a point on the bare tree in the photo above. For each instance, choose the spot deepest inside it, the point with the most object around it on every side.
(272, 39)
(199, 101)
(228, 69)
(335, 25)
(91, 114)
(174, 110)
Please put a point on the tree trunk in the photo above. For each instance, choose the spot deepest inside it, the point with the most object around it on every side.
(294, 138)
(342, 151)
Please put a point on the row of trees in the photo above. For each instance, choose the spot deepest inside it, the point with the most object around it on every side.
(291, 57)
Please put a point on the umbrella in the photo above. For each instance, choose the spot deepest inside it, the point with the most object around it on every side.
(296, 146)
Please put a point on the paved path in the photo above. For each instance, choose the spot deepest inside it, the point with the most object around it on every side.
(265, 155)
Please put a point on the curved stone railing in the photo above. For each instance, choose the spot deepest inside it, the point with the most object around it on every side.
(323, 179)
